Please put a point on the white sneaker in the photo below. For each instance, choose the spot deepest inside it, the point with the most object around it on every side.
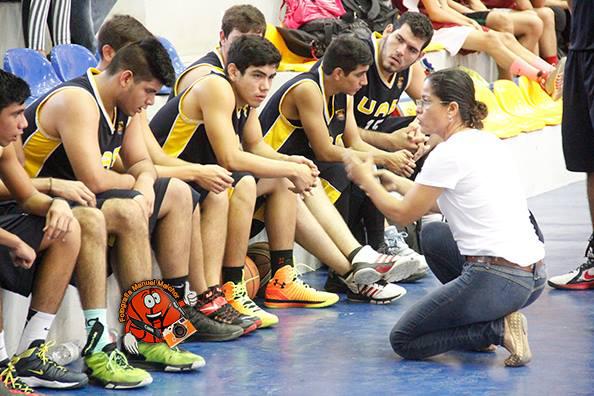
(396, 245)
(380, 292)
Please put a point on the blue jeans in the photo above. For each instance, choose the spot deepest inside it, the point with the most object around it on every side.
(467, 311)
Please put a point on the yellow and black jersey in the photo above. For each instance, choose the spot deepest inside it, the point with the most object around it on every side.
(379, 98)
(213, 59)
(45, 156)
(287, 136)
(185, 138)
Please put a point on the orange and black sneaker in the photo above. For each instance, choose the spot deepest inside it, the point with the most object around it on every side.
(287, 290)
(236, 295)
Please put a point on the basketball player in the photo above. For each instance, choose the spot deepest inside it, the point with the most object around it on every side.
(72, 135)
(32, 224)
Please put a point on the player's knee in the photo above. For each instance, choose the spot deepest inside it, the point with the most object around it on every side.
(245, 189)
(501, 23)
(92, 222)
(126, 216)
(179, 194)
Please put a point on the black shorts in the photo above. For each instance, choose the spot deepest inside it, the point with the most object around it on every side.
(160, 188)
(203, 193)
(577, 127)
(30, 229)
(334, 179)
(479, 16)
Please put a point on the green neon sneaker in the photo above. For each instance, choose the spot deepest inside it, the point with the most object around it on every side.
(159, 356)
(111, 369)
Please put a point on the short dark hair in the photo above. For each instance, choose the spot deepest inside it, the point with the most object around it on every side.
(347, 52)
(13, 90)
(245, 18)
(419, 25)
(147, 59)
(250, 50)
(121, 30)
(455, 85)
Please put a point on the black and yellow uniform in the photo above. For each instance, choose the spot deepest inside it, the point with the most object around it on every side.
(375, 102)
(185, 138)
(214, 59)
(288, 137)
(45, 156)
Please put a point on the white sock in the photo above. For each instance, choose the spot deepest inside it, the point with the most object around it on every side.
(365, 255)
(3, 354)
(36, 329)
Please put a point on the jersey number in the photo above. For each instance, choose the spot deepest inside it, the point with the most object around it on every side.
(373, 124)
(109, 158)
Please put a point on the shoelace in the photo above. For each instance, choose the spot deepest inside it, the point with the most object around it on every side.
(42, 354)
(12, 381)
(240, 294)
(117, 358)
(398, 240)
(296, 275)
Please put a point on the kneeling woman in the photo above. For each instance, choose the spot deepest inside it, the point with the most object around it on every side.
(488, 255)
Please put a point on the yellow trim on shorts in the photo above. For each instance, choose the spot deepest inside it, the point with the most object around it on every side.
(331, 192)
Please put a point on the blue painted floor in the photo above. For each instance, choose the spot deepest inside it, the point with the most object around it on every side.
(344, 349)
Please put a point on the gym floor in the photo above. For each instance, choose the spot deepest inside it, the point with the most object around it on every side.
(344, 349)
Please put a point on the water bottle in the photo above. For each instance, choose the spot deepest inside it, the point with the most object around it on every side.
(66, 353)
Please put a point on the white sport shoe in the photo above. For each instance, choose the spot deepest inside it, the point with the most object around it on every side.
(396, 245)
(380, 292)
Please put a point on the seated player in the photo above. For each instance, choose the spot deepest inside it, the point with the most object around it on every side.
(39, 243)
(209, 220)
(72, 135)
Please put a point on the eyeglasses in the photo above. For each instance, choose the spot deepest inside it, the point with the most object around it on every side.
(424, 103)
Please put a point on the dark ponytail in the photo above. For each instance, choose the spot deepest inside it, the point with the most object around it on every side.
(454, 85)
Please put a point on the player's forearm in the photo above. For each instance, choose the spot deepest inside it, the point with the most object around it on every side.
(264, 150)
(37, 204)
(9, 239)
(380, 140)
(259, 166)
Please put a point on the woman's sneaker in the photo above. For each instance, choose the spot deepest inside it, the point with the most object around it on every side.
(111, 369)
(36, 369)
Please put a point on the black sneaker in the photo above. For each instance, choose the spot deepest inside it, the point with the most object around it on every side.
(209, 329)
(36, 369)
(215, 306)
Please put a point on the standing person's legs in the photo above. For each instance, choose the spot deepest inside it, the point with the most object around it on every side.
(34, 14)
(577, 131)
(59, 21)
(99, 11)
(81, 24)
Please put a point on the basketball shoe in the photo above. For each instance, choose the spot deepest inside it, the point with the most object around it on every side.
(36, 369)
(13, 385)
(159, 356)
(395, 244)
(370, 266)
(111, 369)
(580, 278)
(236, 295)
(380, 292)
(208, 329)
(287, 290)
(214, 305)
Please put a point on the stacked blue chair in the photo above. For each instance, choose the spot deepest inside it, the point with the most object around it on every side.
(32, 67)
(178, 65)
(71, 60)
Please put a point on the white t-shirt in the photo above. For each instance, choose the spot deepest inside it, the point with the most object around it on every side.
(483, 200)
